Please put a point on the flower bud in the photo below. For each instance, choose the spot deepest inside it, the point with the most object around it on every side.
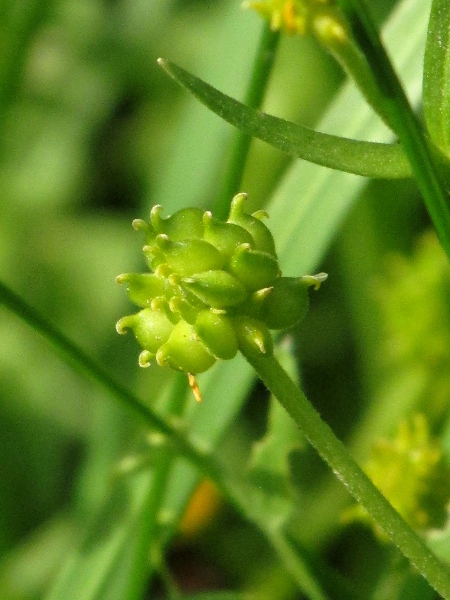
(216, 331)
(183, 351)
(217, 289)
(294, 16)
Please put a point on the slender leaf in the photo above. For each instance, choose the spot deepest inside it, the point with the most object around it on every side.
(112, 543)
(436, 76)
(384, 161)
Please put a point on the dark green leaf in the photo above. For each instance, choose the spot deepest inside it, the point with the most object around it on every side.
(383, 161)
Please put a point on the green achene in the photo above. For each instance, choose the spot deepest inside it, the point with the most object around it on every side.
(215, 287)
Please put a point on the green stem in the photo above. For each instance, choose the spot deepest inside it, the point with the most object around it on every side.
(255, 93)
(83, 363)
(340, 460)
(205, 462)
(354, 63)
(422, 156)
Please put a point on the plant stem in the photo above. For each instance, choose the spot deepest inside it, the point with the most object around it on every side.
(354, 63)
(255, 93)
(206, 463)
(86, 365)
(340, 460)
(421, 155)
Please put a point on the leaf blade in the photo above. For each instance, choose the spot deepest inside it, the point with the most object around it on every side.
(369, 159)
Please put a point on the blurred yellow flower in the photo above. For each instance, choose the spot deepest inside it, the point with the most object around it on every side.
(290, 16)
(411, 471)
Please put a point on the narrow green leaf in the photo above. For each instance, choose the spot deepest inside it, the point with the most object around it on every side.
(436, 76)
(382, 161)
(111, 545)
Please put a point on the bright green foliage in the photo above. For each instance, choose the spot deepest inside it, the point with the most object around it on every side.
(216, 288)
(412, 473)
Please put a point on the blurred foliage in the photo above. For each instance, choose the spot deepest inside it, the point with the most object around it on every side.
(93, 134)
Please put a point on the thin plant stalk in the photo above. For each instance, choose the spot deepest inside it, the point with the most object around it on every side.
(353, 62)
(89, 367)
(426, 165)
(333, 451)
